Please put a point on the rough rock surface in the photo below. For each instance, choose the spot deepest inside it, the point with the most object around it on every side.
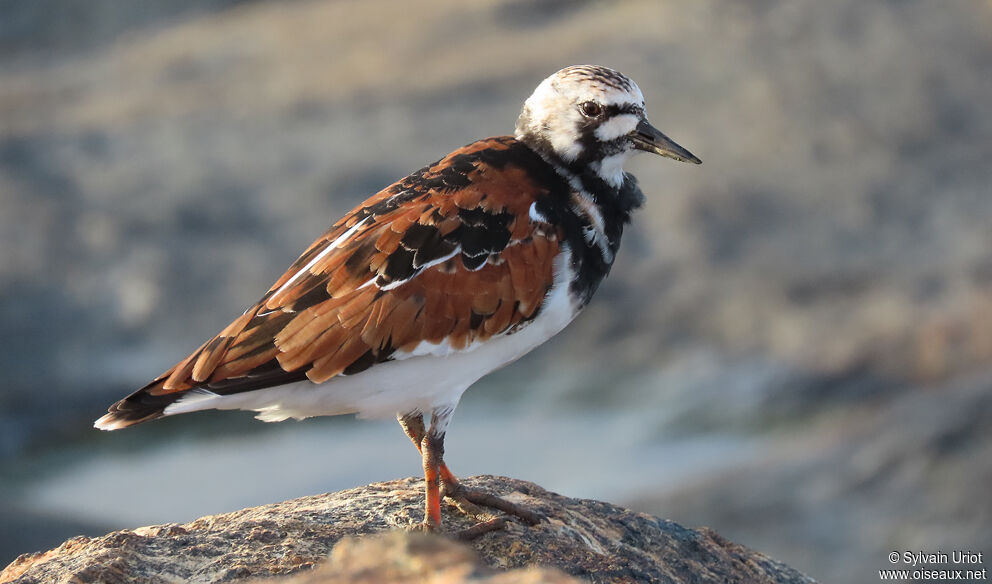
(591, 540)
(401, 557)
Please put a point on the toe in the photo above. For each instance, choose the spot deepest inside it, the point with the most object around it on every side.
(481, 498)
(480, 529)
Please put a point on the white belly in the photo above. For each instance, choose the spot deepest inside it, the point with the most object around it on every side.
(427, 378)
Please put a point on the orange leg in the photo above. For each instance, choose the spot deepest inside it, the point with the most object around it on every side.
(413, 425)
(430, 443)
(432, 449)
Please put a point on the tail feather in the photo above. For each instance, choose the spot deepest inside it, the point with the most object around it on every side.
(150, 402)
(141, 406)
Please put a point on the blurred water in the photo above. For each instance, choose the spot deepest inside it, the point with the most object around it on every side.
(571, 428)
(610, 455)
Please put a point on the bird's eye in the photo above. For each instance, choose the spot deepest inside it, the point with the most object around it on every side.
(590, 109)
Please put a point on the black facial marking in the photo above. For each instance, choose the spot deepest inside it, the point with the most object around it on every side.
(594, 149)
(622, 108)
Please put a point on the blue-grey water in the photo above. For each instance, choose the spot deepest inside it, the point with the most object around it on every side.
(612, 456)
(568, 428)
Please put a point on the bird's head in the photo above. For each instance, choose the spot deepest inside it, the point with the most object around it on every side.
(592, 116)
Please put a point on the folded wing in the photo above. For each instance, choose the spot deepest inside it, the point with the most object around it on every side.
(450, 256)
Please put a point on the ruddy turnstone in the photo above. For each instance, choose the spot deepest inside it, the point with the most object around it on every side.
(451, 273)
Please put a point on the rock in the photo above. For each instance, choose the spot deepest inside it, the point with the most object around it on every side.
(591, 540)
(400, 557)
(841, 487)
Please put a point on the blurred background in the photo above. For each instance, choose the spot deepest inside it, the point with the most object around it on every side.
(795, 347)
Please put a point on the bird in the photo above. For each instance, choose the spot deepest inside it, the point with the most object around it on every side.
(448, 274)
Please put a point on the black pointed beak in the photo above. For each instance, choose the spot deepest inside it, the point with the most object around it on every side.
(650, 139)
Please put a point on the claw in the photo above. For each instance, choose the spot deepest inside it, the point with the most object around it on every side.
(465, 506)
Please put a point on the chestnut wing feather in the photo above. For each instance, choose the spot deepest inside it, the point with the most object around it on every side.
(448, 256)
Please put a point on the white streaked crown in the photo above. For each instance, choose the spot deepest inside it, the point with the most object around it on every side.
(553, 113)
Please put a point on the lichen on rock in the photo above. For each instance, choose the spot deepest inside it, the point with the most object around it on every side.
(368, 529)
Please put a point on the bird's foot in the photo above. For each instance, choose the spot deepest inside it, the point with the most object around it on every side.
(468, 534)
(471, 501)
